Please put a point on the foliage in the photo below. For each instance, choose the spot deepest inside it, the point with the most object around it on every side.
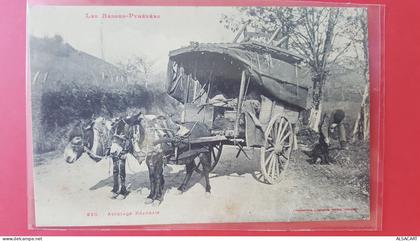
(137, 68)
(323, 36)
(68, 85)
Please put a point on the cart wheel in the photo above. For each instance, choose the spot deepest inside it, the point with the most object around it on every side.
(275, 153)
(215, 153)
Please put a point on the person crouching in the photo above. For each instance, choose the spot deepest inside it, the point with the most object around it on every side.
(335, 124)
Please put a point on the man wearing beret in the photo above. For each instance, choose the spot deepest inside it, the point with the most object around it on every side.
(335, 123)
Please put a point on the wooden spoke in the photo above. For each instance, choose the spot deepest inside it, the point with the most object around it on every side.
(280, 130)
(270, 149)
(259, 176)
(283, 155)
(273, 166)
(284, 138)
(276, 152)
(280, 136)
(270, 156)
(270, 162)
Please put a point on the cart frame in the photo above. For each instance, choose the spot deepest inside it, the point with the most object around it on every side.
(271, 72)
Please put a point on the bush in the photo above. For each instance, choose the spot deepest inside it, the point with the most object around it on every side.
(59, 108)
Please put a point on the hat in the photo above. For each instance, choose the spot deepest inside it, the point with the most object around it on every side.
(338, 116)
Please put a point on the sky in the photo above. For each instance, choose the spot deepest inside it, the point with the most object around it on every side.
(124, 39)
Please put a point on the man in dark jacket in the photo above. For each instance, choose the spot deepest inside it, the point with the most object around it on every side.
(333, 122)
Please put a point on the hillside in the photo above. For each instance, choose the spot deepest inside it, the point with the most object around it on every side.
(52, 61)
(69, 85)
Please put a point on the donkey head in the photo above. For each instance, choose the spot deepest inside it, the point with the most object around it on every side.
(128, 133)
(89, 135)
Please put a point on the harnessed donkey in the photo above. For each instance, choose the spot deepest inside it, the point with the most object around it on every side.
(166, 142)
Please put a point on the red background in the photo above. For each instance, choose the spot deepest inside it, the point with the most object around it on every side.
(401, 195)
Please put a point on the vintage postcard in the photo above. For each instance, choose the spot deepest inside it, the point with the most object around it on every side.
(189, 115)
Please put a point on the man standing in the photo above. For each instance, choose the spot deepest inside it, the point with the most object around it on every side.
(119, 149)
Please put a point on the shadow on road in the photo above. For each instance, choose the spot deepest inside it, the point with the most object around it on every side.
(227, 166)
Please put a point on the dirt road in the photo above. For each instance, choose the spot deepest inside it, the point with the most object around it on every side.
(78, 194)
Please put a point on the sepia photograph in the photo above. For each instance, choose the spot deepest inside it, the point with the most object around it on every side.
(148, 115)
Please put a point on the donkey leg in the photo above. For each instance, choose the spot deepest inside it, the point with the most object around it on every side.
(123, 190)
(205, 161)
(115, 170)
(189, 169)
(159, 179)
(150, 167)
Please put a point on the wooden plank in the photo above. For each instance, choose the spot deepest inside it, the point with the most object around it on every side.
(254, 135)
(291, 115)
(195, 94)
(240, 100)
(278, 109)
(208, 139)
(187, 89)
(266, 110)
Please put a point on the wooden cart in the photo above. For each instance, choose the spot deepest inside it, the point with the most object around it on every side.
(248, 94)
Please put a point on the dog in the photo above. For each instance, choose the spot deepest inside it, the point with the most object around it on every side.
(320, 152)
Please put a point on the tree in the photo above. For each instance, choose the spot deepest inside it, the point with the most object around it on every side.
(320, 35)
(362, 124)
(137, 68)
(264, 21)
(316, 45)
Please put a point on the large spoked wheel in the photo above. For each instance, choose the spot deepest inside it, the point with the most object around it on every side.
(215, 153)
(277, 149)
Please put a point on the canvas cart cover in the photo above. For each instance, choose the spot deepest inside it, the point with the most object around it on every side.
(272, 71)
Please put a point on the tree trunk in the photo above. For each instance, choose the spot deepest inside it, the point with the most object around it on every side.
(316, 110)
(362, 124)
(315, 118)
(320, 70)
(361, 129)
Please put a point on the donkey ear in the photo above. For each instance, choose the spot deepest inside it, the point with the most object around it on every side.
(88, 125)
(115, 120)
(138, 115)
